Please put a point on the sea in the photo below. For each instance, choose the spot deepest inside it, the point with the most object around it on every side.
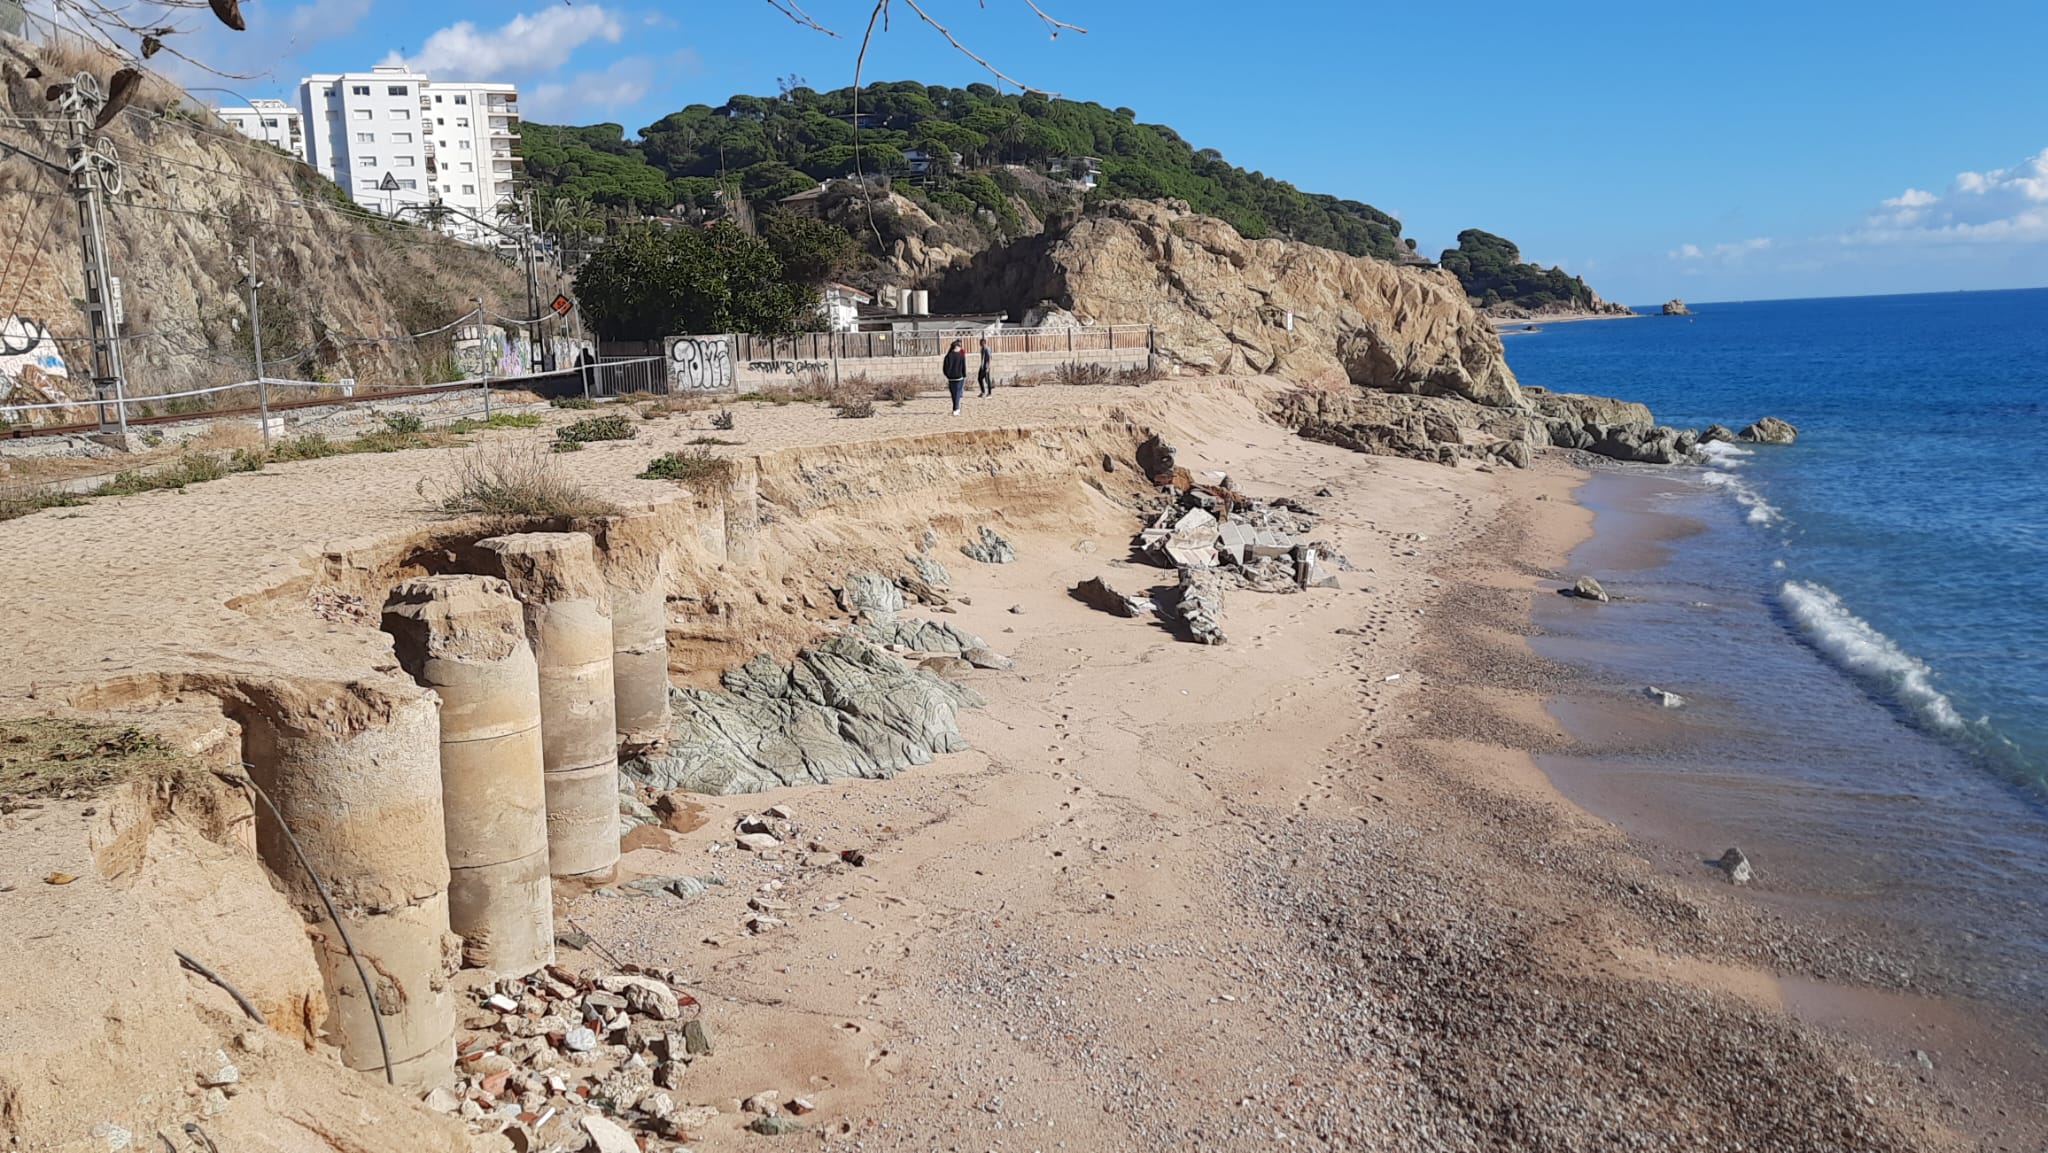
(1857, 622)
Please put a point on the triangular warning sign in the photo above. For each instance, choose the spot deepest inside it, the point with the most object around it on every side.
(388, 184)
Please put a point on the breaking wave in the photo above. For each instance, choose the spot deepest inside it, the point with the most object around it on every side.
(1761, 511)
(1855, 646)
(1721, 454)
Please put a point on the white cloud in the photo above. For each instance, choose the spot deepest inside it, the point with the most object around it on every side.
(1726, 252)
(263, 58)
(589, 95)
(526, 45)
(1997, 206)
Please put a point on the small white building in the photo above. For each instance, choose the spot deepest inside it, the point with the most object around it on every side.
(272, 121)
(395, 139)
(841, 306)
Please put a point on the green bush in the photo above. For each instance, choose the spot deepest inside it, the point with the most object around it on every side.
(404, 423)
(611, 426)
(688, 467)
(724, 421)
(310, 446)
(192, 468)
(572, 402)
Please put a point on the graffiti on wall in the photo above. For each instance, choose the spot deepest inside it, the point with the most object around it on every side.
(699, 364)
(28, 356)
(488, 348)
(789, 367)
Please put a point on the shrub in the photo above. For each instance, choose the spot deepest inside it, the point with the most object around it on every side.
(1077, 372)
(572, 402)
(310, 446)
(19, 502)
(404, 423)
(193, 468)
(1138, 374)
(712, 440)
(611, 426)
(855, 407)
(247, 460)
(495, 420)
(688, 467)
(519, 480)
(724, 421)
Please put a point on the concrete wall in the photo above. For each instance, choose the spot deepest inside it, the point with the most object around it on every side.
(711, 363)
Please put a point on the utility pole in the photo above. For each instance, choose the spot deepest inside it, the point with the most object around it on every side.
(534, 358)
(250, 278)
(96, 168)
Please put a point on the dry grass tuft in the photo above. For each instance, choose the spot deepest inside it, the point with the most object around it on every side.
(519, 480)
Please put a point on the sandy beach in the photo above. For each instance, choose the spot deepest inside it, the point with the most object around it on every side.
(1307, 889)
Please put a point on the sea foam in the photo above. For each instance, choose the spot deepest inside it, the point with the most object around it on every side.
(1761, 511)
(1721, 454)
(1854, 645)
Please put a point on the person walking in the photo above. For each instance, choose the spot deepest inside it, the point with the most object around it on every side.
(955, 368)
(986, 380)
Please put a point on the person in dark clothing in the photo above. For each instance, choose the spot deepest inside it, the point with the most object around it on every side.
(986, 380)
(955, 368)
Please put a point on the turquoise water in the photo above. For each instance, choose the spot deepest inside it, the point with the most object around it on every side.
(1857, 620)
(1905, 535)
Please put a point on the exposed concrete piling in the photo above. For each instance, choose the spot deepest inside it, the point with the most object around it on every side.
(630, 549)
(569, 624)
(357, 780)
(465, 638)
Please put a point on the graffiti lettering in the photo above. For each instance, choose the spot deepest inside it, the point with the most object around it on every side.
(789, 367)
(27, 352)
(699, 364)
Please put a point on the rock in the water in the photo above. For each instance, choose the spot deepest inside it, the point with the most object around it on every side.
(1589, 589)
(1770, 430)
(1676, 307)
(989, 547)
(984, 658)
(844, 709)
(1668, 700)
(1736, 865)
(871, 596)
(1096, 593)
(1717, 433)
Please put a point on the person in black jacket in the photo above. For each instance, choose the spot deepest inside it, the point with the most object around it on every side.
(955, 368)
(986, 380)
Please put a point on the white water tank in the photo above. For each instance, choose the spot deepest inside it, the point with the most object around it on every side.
(921, 302)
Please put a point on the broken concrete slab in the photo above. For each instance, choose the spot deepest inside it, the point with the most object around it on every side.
(1096, 593)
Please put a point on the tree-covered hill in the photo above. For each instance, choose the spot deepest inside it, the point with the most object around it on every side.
(1491, 269)
(772, 147)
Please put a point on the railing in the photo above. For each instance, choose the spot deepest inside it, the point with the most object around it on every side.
(864, 345)
(648, 374)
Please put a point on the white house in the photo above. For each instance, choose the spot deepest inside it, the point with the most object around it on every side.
(394, 139)
(841, 306)
(272, 121)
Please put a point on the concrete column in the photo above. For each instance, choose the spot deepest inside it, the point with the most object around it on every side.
(465, 638)
(357, 779)
(630, 547)
(743, 515)
(568, 622)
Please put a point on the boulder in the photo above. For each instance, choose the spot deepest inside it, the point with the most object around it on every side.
(1587, 588)
(1096, 593)
(921, 636)
(983, 658)
(1736, 865)
(843, 709)
(945, 666)
(1583, 408)
(1676, 307)
(930, 571)
(1155, 459)
(989, 547)
(1717, 432)
(1770, 430)
(871, 596)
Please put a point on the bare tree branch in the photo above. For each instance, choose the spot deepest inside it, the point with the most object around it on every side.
(1054, 25)
(800, 17)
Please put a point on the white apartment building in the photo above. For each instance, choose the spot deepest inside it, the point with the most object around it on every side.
(394, 138)
(272, 121)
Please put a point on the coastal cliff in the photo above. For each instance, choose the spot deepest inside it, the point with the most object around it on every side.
(1223, 304)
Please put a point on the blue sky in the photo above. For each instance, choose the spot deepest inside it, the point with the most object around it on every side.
(1736, 150)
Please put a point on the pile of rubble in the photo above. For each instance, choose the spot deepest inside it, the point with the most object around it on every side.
(581, 1060)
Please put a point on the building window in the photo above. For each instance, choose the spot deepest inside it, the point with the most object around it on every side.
(469, 190)
(441, 120)
(327, 92)
(462, 99)
(366, 138)
(271, 123)
(362, 114)
(401, 114)
(447, 188)
(403, 161)
(437, 97)
(401, 138)
(408, 184)
(468, 167)
(366, 162)
(462, 122)
(465, 145)
(360, 89)
(240, 123)
(394, 90)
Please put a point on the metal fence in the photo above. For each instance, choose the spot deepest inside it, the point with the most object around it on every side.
(648, 374)
(932, 343)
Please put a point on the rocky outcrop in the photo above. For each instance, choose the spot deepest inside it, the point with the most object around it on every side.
(1221, 303)
(844, 709)
(1676, 307)
(1441, 429)
(1581, 408)
(1770, 430)
(1559, 310)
